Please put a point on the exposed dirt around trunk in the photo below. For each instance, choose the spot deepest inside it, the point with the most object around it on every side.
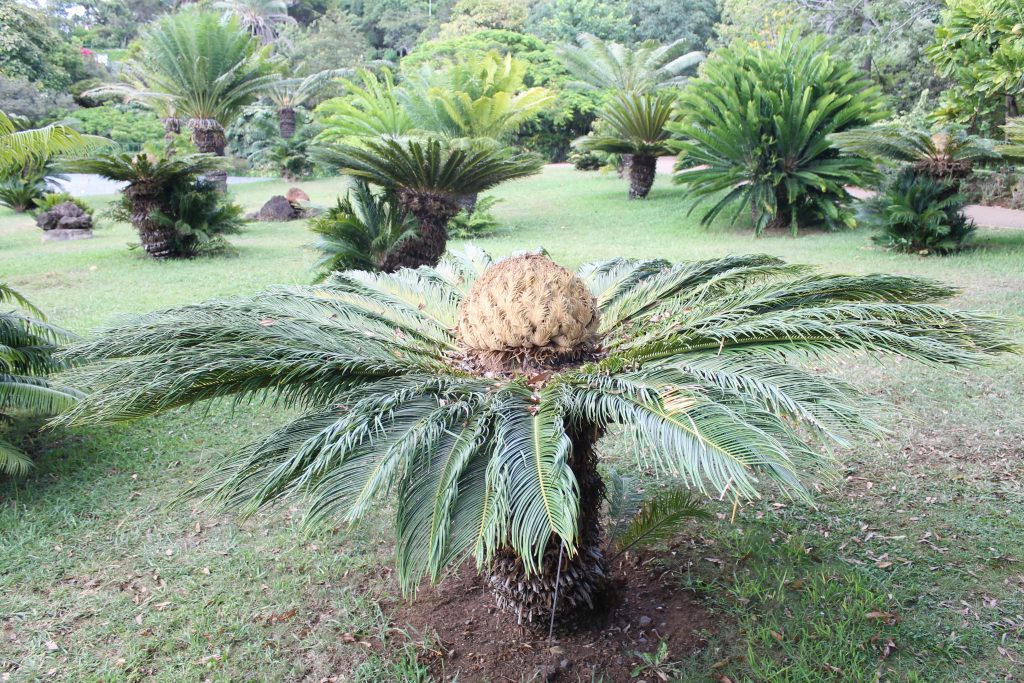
(477, 642)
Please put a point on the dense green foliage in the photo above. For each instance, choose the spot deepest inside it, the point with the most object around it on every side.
(980, 46)
(756, 128)
(27, 347)
(125, 124)
(360, 231)
(30, 49)
(600, 65)
(918, 214)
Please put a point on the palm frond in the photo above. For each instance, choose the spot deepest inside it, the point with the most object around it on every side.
(659, 517)
(632, 123)
(605, 65)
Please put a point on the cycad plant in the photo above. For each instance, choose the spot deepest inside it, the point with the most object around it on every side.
(474, 393)
(263, 19)
(361, 231)
(917, 213)
(430, 178)
(27, 346)
(176, 214)
(945, 155)
(289, 94)
(202, 69)
(634, 124)
(608, 66)
(755, 134)
(369, 107)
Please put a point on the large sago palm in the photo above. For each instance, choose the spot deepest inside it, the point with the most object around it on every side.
(634, 124)
(203, 69)
(430, 178)
(473, 395)
(604, 65)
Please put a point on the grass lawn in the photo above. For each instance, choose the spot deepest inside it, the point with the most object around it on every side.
(912, 570)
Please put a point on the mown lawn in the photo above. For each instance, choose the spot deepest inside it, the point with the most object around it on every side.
(912, 570)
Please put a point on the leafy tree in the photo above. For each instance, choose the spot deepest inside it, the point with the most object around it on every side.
(393, 27)
(176, 214)
(24, 98)
(602, 65)
(330, 42)
(429, 177)
(980, 46)
(560, 21)
(469, 16)
(361, 231)
(202, 69)
(263, 19)
(479, 412)
(668, 21)
(28, 344)
(634, 124)
(103, 24)
(755, 133)
(30, 49)
(1015, 135)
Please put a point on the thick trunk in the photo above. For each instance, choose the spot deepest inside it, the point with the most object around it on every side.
(641, 176)
(1012, 110)
(433, 213)
(625, 161)
(208, 137)
(286, 119)
(578, 585)
(159, 240)
(172, 126)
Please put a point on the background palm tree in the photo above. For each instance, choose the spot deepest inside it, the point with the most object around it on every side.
(203, 69)
(946, 155)
(476, 392)
(175, 215)
(27, 346)
(634, 124)
(608, 66)
(429, 178)
(288, 94)
(263, 19)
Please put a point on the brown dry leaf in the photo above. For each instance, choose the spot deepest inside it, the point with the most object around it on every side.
(723, 679)
(1006, 653)
(882, 565)
(777, 636)
(51, 646)
(161, 606)
(888, 648)
(283, 616)
(889, 618)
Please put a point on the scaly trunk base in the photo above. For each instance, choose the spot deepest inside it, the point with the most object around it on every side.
(433, 213)
(578, 587)
(641, 176)
(286, 121)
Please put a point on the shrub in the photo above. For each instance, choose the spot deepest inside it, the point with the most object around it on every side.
(587, 160)
(20, 191)
(361, 231)
(477, 224)
(755, 134)
(124, 124)
(916, 213)
(52, 199)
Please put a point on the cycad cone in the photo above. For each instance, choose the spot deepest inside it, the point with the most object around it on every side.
(529, 307)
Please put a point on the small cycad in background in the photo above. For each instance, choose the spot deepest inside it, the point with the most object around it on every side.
(361, 231)
(478, 223)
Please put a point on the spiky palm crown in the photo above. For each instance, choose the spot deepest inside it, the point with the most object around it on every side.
(144, 173)
(205, 69)
(21, 145)
(944, 154)
(605, 65)
(700, 359)
(429, 167)
(632, 123)
(27, 346)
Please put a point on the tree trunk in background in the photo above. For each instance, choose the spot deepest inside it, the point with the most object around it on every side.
(1012, 110)
(641, 176)
(582, 580)
(433, 213)
(286, 119)
(172, 126)
(625, 161)
(208, 137)
(468, 202)
(159, 240)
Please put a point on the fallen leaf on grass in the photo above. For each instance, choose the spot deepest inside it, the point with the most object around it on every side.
(51, 646)
(890, 618)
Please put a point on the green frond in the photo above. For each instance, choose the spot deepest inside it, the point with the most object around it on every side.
(605, 65)
(632, 123)
(660, 517)
(13, 461)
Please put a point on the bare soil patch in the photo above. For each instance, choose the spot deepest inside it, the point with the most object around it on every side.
(465, 636)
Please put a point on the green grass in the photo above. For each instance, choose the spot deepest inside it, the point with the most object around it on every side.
(104, 578)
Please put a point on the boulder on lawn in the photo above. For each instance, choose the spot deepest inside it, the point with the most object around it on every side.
(65, 216)
(277, 208)
(297, 197)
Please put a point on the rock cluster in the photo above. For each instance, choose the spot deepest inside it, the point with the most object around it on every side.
(66, 221)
